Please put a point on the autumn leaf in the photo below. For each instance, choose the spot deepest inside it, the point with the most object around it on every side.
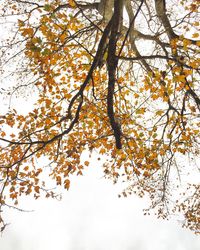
(86, 163)
(67, 184)
(37, 189)
(195, 35)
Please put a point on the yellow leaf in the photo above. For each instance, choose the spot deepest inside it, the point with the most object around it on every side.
(140, 111)
(102, 151)
(27, 32)
(159, 112)
(20, 23)
(195, 35)
(72, 3)
(196, 23)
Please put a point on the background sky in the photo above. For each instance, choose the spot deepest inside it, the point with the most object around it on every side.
(92, 217)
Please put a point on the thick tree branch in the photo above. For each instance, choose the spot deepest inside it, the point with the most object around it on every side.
(160, 6)
(112, 62)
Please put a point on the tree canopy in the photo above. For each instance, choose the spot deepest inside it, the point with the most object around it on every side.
(117, 77)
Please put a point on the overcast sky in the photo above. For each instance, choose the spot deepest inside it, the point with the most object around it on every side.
(92, 217)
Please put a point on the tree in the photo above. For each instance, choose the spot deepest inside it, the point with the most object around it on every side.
(120, 77)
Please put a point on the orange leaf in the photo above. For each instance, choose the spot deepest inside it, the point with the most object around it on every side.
(58, 180)
(37, 189)
(86, 163)
(67, 184)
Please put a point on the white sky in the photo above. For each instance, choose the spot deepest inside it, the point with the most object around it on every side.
(92, 217)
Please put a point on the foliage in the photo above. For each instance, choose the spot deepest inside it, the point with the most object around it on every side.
(119, 77)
